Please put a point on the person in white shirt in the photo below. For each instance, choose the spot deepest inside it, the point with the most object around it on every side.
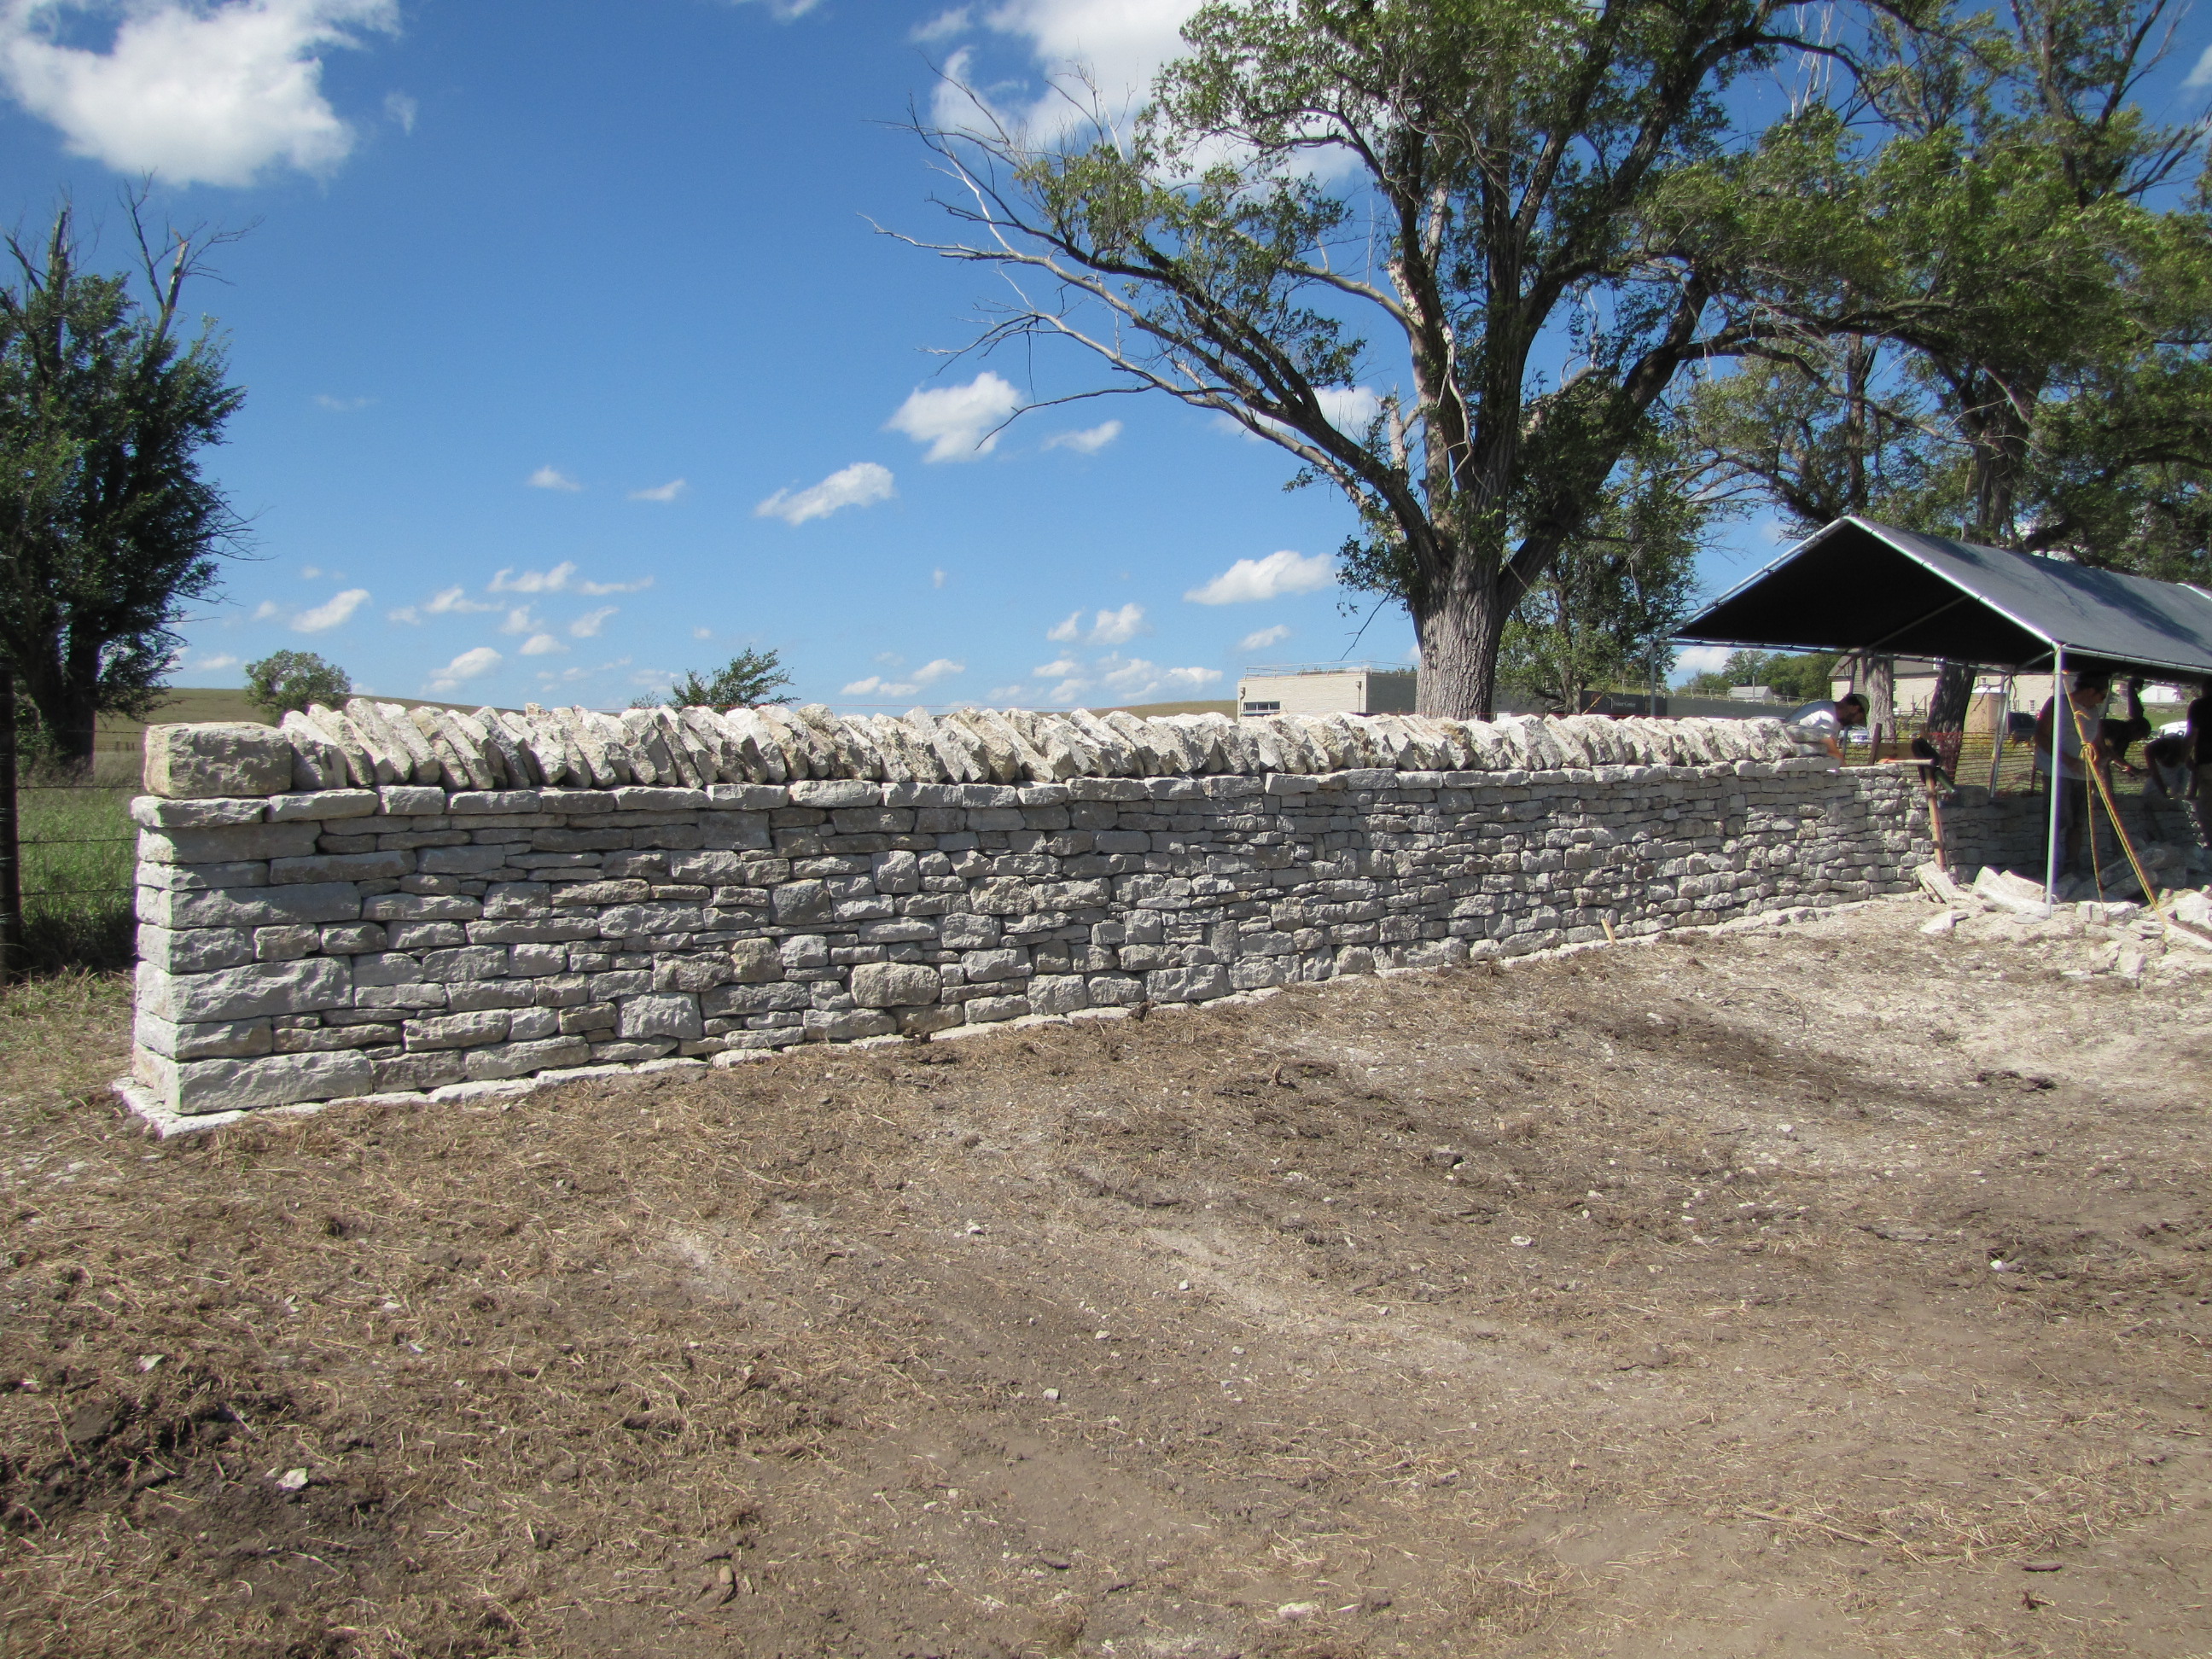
(1831, 720)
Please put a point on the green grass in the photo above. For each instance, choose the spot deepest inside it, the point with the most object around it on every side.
(78, 858)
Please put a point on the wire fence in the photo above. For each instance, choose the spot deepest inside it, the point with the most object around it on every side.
(76, 862)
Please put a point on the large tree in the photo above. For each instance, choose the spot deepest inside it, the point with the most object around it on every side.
(1604, 613)
(2023, 361)
(107, 527)
(1542, 210)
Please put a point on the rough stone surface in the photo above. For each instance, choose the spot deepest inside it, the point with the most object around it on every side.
(190, 762)
(670, 889)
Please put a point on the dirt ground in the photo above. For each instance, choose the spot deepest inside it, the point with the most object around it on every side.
(1644, 1301)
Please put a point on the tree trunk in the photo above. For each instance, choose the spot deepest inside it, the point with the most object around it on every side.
(11, 878)
(1459, 629)
(1954, 696)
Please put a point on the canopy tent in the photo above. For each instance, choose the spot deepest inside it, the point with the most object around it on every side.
(1872, 589)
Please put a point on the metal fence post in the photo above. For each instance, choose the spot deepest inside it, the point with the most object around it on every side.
(11, 866)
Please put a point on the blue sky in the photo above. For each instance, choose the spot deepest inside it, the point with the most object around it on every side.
(574, 362)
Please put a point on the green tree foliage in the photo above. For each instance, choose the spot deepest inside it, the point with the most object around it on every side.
(1604, 612)
(293, 680)
(106, 526)
(747, 680)
(1545, 210)
(1798, 677)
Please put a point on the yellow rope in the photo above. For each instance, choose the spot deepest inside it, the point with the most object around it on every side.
(2104, 787)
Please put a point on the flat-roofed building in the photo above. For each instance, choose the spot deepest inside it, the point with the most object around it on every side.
(1332, 688)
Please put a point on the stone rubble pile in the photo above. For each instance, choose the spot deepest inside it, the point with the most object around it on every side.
(2083, 938)
(367, 744)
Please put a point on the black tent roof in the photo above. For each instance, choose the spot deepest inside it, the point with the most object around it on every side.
(1860, 586)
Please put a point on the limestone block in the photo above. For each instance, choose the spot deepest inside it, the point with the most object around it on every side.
(152, 812)
(429, 1070)
(826, 1026)
(962, 931)
(180, 877)
(690, 973)
(232, 759)
(755, 962)
(796, 903)
(471, 961)
(984, 967)
(353, 939)
(1197, 984)
(457, 1030)
(984, 1011)
(286, 943)
(216, 1085)
(625, 892)
(223, 1039)
(731, 1001)
(226, 845)
(894, 985)
(247, 991)
(1059, 993)
(661, 1016)
(412, 800)
(323, 805)
(195, 951)
(340, 866)
(520, 1059)
(650, 920)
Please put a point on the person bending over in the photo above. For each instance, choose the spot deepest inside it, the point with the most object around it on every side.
(1829, 721)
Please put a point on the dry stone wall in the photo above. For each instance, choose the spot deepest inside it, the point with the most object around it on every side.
(314, 929)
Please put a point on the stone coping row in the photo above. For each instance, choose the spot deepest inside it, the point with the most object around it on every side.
(369, 745)
(413, 801)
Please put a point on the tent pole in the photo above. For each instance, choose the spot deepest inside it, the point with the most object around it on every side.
(2058, 707)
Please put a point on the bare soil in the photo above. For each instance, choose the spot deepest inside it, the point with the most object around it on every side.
(1637, 1301)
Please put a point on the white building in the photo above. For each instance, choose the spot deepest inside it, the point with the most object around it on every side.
(1334, 688)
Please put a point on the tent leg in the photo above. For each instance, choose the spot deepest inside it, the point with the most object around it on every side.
(2059, 708)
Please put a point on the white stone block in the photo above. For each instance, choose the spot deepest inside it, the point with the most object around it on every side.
(191, 763)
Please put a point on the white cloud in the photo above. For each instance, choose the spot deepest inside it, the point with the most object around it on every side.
(783, 11)
(1701, 659)
(663, 492)
(520, 620)
(1086, 440)
(1062, 632)
(1264, 638)
(1248, 580)
(401, 110)
(340, 405)
(2202, 75)
(956, 422)
(1116, 678)
(1349, 409)
(332, 613)
(1119, 627)
(552, 477)
(703, 632)
(937, 578)
(942, 26)
(217, 660)
(873, 687)
(542, 644)
(1006, 693)
(197, 94)
(561, 579)
(1121, 43)
(309, 572)
(861, 485)
(448, 601)
(940, 668)
(469, 665)
(587, 626)
(267, 609)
